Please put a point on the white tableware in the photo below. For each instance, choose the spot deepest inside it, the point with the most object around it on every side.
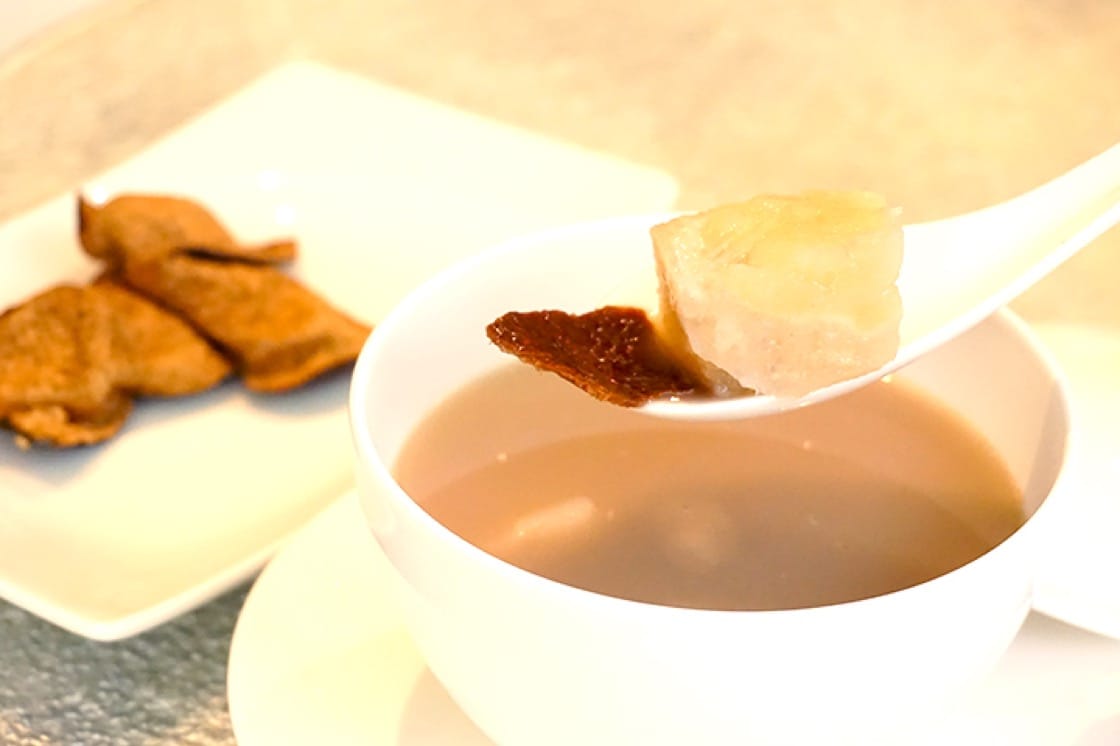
(381, 189)
(1078, 577)
(320, 655)
(515, 650)
(957, 271)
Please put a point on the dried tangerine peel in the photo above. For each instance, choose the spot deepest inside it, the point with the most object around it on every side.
(613, 353)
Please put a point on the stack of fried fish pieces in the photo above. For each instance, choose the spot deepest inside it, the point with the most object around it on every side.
(178, 307)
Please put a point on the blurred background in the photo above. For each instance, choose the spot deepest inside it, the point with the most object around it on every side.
(944, 106)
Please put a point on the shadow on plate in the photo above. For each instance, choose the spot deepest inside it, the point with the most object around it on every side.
(43, 465)
(326, 393)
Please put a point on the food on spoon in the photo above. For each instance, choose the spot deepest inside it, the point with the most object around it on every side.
(279, 333)
(785, 294)
(613, 353)
(74, 356)
(778, 295)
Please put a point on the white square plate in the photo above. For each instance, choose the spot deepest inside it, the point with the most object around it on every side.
(381, 189)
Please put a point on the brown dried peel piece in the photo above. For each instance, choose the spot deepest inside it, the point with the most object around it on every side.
(280, 334)
(144, 227)
(71, 357)
(613, 353)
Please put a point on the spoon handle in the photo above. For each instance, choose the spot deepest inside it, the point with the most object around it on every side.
(1060, 217)
(962, 269)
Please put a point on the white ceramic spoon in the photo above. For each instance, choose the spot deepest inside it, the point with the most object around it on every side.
(957, 271)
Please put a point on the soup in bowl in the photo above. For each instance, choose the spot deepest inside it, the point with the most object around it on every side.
(576, 572)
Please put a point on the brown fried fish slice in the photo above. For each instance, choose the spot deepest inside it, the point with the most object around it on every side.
(143, 227)
(279, 333)
(65, 428)
(72, 357)
(613, 353)
(155, 353)
(56, 349)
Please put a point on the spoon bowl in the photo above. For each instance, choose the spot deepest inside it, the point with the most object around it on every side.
(958, 271)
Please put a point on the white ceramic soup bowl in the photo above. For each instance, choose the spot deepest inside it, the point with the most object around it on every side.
(535, 662)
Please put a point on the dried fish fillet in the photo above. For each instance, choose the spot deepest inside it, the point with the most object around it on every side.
(59, 426)
(136, 227)
(55, 349)
(72, 357)
(155, 353)
(279, 333)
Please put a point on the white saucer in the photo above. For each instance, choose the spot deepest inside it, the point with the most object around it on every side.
(319, 656)
(1078, 577)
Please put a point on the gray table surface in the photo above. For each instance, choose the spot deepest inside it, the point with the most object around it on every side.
(166, 686)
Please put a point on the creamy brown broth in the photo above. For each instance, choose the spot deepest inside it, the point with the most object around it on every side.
(869, 493)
